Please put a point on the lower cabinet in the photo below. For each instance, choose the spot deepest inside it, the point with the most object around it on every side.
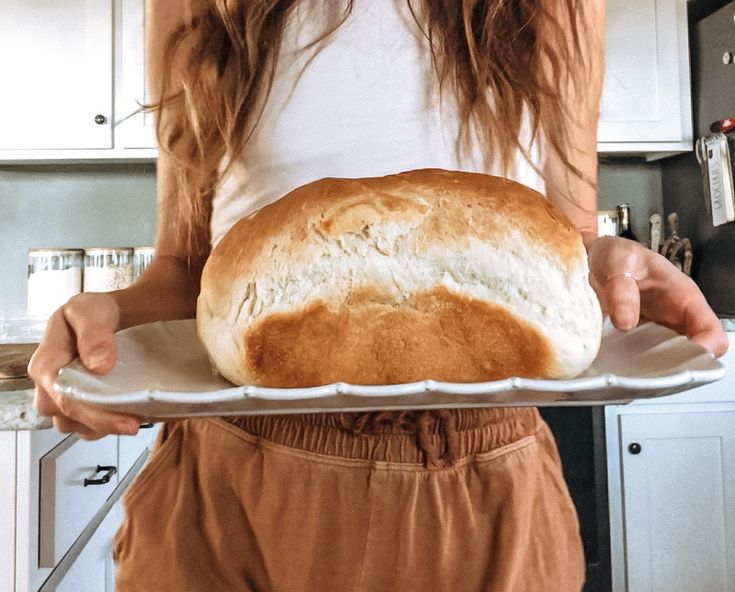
(94, 570)
(679, 492)
(673, 503)
(60, 507)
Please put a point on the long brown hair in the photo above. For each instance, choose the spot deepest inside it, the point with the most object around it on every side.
(502, 59)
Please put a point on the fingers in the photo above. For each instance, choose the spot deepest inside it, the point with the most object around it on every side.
(633, 281)
(77, 416)
(85, 326)
(615, 267)
(94, 328)
(703, 326)
(623, 300)
(69, 426)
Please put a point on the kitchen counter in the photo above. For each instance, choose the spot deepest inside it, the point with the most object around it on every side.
(17, 411)
(16, 389)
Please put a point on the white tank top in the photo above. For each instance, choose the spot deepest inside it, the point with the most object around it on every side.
(366, 105)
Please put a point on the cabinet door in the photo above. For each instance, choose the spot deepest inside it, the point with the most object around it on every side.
(135, 127)
(72, 491)
(129, 448)
(679, 501)
(94, 570)
(7, 506)
(56, 72)
(646, 89)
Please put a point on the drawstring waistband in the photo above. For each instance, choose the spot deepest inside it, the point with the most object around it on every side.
(439, 452)
(434, 438)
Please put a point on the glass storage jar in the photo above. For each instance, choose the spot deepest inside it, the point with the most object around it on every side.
(107, 268)
(142, 257)
(54, 276)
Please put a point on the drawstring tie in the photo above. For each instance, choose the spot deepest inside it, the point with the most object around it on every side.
(438, 452)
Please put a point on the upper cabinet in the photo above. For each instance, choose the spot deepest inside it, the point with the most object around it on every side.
(135, 129)
(73, 80)
(57, 74)
(646, 102)
(73, 76)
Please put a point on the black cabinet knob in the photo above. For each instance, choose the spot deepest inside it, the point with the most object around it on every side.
(634, 448)
(100, 119)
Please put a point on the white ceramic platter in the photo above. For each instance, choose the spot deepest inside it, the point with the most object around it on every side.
(163, 371)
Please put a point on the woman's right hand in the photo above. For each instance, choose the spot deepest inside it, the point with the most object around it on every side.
(85, 326)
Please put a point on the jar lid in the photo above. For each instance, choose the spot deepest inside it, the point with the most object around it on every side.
(46, 251)
(109, 251)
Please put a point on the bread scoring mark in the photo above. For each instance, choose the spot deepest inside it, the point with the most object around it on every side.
(371, 339)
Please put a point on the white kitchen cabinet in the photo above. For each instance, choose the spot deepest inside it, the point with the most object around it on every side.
(646, 100)
(93, 570)
(671, 489)
(56, 69)
(679, 492)
(7, 507)
(84, 520)
(76, 478)
(75, 60)
(73, 81)
(134, 126)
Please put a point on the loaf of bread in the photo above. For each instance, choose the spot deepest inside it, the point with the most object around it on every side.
(434, 274)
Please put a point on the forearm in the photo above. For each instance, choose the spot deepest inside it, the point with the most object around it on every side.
(575, 192)
(574, 196)
(167, 290)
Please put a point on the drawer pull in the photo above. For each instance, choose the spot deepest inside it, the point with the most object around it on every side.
(146, 426)
(109, 472)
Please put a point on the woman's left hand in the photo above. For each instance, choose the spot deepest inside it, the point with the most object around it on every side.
(634, 283)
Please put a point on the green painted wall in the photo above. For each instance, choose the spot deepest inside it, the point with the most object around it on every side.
(69, 206)
(112, 204)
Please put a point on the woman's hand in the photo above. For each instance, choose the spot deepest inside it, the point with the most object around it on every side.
(84, 326)
(633, 282)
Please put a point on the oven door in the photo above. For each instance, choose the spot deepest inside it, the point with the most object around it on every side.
(580, 437)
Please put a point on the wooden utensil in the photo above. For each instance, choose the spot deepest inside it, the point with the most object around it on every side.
(14, 359)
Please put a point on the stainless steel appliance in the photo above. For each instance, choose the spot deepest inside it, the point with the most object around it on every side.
(699, 185)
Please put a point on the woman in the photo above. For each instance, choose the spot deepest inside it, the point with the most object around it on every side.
(256, 97)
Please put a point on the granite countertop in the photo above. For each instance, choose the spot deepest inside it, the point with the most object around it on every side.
(16, 389)
(17, 411)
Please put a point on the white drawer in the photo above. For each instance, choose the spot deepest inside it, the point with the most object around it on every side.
(72, 490)
(88, 564)
(131, 447)
(94, 569)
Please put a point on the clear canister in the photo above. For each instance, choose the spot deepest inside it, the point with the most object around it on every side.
(107, 268)
(54, 276)
(142, 257)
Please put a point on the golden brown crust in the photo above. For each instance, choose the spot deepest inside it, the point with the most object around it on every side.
(448, 205)
(427, 274)
(437, 334)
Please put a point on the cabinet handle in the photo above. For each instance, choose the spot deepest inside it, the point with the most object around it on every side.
(146, 426)
(100, 119)
(109, 472)
(634, 448)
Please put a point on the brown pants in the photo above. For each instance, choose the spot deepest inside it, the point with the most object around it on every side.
(462, 501)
